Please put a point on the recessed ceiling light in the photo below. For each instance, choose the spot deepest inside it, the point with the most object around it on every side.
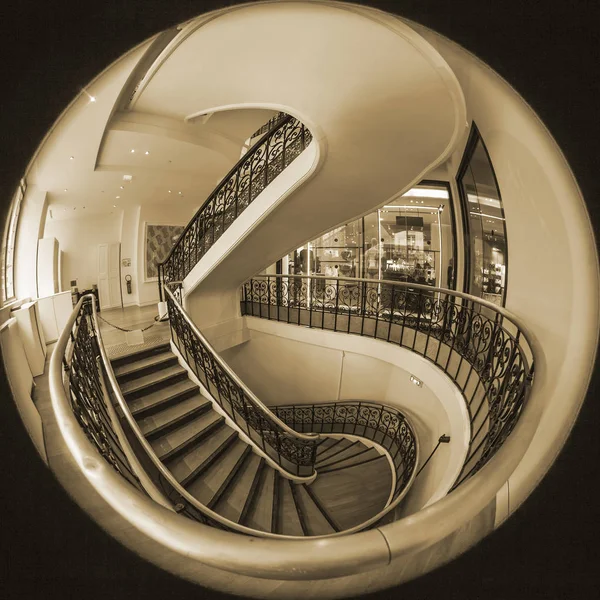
(92, 98)
(66, 190)
(147, 152)
(71, 157)
(179, 193)
(114, 206)
(169, 191)
(122, 187)
(118, 197)
(127, 177)
(132, 150)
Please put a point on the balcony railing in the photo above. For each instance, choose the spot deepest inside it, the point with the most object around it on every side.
(478, 345)
(254, 171)
(384, 425)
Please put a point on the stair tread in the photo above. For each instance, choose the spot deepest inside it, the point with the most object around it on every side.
(134, 385)
(232, 503)
(341, 454)
(338, 491)
(207, 485)
(182, 466)
(157, 397)
(139, 354)
(315, 521)
(174, 439)
(337, 445)
(260, 515)
(171, 413)
(289, 521)
(357, 459)
(142, 363)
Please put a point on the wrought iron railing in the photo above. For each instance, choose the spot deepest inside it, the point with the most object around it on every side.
(474, 342)
(250, 176)
(384, 425)
(82, 378)
(294, 452)
(90, 384)
(273, 122)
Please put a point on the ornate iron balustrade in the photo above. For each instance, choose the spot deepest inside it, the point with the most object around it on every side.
(86, 393)
(90, 388)
(270, 124)
(383, 425)
(474, 342)
(294, 452)
(250, 176)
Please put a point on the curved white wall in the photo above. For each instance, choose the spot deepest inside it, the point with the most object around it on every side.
(553, 282)
(287, 364)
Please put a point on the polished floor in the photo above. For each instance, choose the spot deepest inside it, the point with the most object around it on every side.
(119, 343)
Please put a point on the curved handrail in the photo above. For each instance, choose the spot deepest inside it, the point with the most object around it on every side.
(305, 558)
(297, 448)
(488, 356)
(244, 182)
(380, 418)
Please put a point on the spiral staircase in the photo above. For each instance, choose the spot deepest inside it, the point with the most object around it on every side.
(285, 497)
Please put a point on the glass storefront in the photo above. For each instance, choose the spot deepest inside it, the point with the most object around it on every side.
(484, 224)
(411, 239)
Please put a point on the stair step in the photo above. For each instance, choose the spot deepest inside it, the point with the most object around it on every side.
(209, 488)
(356, 449)
(260, 515)
(338, 491)
(353, 461)
(183, 465)
(290, 522)
(214, 457)
(336, 446)
(145, 366)
(153, 382)
(232, 503)
(155, 402)
(339, 451)
(174, 416)
(184, 439)
(139, 355)
(322, 509)
(313, 520)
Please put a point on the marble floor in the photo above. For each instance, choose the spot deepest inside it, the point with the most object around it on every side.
(119, 343)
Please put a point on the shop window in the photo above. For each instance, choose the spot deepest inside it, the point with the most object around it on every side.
(411, 239)
(8, 286)
(486, 251)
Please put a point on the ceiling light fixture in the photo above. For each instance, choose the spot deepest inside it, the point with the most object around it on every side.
(132, 150)
(92, 98)
(127, 177)
(118, 197)
(71, 157)
(146, 152)
(66, 190)
(114, 206)
(122, 187)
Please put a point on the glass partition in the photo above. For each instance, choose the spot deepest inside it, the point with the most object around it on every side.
(484, 223)
(410, 239)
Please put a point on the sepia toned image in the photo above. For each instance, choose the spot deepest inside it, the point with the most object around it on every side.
(299, 299)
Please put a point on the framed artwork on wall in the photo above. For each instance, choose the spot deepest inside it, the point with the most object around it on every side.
(158, 241)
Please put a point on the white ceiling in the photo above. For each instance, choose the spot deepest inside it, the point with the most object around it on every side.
(83, 160)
